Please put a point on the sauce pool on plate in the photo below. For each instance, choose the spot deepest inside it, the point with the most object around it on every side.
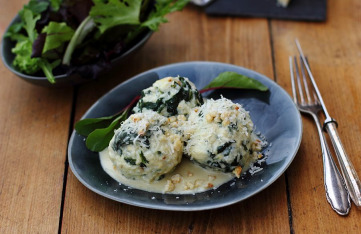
(187, 178)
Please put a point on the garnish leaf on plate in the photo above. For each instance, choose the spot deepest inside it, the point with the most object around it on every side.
(86, 126)
(99, 139)
(234, 80)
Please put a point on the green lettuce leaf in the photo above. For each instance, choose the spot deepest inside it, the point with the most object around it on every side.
(23, 47)
(29, 19)
(14, 32)
(56, 35)
(162, 8)
(23, 61)
(55, 4)
(114, 12)
(48, 68)
(37, 7)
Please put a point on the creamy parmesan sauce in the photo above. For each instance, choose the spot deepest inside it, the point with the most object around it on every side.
(187, 178)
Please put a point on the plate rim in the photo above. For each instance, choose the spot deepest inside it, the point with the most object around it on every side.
(172, 207)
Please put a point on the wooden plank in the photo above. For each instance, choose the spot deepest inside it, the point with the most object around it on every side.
(190, 35)
(34, 124)
(333, 49)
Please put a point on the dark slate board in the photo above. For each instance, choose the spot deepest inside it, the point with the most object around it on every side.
(309, 10)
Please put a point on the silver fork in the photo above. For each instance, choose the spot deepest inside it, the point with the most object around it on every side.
(336, 192)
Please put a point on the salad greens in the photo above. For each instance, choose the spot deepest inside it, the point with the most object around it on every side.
(81, 36)
(23, 60)
(99, 131)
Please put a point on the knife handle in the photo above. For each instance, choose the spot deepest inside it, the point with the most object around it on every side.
(336, 191)
(348, 171)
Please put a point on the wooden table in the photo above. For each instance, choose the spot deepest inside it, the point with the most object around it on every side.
(40, 194)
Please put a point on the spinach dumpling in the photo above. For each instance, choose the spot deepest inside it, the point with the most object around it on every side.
(170, 96)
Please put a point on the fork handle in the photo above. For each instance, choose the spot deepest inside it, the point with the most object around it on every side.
(336, 192)
(348, 171)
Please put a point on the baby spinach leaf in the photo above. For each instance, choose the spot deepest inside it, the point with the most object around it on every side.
(56, 35)
(99, 139)
(143, 158)
(235, 80)
(114, 12)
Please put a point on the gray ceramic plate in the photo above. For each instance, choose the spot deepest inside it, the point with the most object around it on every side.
(273, 113)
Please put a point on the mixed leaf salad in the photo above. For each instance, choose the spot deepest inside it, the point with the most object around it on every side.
(82, 36)
(99, 131)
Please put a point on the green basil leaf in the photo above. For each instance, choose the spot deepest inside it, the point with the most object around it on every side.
(86, 126)
(235, 80)
(99, 139)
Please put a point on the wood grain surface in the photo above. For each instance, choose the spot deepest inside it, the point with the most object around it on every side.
(334, 52)
(34, 126)
(40, 194)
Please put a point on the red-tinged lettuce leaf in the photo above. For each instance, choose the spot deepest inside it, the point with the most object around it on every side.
(38, 45)
(74, 12)
(234, 80)
(90, 71)
(56, 35)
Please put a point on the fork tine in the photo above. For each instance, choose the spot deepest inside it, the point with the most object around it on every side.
(313, 90)
(299, 81)
(293, 81)
(305, 83)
